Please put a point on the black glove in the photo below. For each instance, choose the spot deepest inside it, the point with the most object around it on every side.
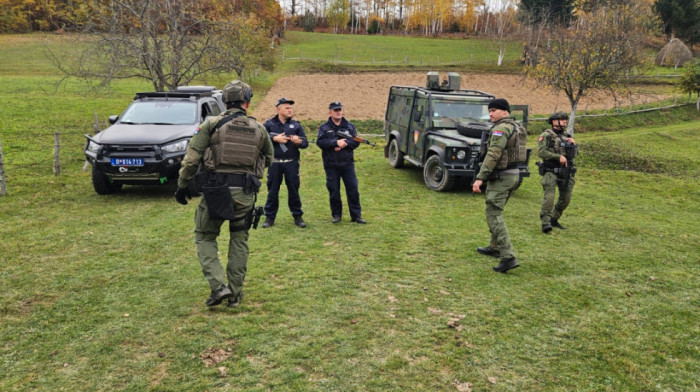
(180, 195)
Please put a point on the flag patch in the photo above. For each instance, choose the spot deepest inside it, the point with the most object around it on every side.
(497, 133)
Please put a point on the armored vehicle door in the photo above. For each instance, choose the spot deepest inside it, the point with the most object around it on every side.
(419, 122)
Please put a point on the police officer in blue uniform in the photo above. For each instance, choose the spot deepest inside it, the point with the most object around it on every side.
(288, 137)
(339, 162)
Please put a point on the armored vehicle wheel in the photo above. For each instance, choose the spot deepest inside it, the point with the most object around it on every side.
(102, 184)
(435, 176)
(395, 155)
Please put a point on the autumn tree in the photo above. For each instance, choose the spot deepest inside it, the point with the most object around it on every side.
(595, 52)
(168, 42)
(690, 82)
(338, 14)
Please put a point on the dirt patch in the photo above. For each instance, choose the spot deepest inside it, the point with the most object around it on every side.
(364, 96)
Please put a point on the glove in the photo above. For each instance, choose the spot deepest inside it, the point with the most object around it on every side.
(181, 194)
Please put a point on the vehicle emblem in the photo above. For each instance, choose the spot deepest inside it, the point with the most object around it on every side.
(122, 169)
(415, 136)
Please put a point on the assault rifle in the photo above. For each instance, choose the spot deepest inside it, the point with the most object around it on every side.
(347, 135)
(283, 147)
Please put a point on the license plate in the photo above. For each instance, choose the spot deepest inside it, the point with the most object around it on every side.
(127, 161)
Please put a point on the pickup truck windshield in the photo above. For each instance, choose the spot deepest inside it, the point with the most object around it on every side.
(447, 113)
(161, 112)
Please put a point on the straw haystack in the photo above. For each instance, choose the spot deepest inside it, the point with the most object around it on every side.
(674, 54)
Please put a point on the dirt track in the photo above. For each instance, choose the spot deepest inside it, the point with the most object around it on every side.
(364, 96)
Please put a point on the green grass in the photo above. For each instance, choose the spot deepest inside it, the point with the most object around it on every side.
(105, 293)
(346, 53)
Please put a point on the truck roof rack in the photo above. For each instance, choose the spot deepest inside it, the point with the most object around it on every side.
(172, 94)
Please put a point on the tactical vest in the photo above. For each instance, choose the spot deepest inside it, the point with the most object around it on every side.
(558, 144)
(235, 148)
(516, 147)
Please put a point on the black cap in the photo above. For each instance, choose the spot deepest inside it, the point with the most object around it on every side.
(284, 100)
(335, 105)
(499, 103)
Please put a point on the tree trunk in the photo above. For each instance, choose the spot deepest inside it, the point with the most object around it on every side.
(572, 118)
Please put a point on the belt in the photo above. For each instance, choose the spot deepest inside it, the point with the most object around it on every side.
(283, 160)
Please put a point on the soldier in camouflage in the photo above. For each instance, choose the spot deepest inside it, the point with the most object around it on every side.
(552, 146)
(234, 150)
(501, 177)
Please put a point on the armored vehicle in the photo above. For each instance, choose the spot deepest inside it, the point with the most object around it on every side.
(440, 128)
(145, 145)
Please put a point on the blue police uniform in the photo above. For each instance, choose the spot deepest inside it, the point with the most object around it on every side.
(285, 166)
(340, 165)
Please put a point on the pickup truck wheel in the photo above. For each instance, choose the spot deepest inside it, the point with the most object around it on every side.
(435, 176)
(395, 155)
(102, 184)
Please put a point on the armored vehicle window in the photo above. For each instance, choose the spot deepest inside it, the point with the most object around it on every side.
(454, 111)
(161, 112)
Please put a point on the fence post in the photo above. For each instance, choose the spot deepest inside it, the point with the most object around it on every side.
(3, 190)
(56, 150)
(283, 53)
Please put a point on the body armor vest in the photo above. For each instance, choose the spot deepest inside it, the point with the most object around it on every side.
(558, 145)
(235, 148)
(516, 147)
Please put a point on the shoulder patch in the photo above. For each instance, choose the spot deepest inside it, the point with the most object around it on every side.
(497, 133)
(540, 139)
(197, 130)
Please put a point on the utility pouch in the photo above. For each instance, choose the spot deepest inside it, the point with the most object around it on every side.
(251, 184)
(219, 202)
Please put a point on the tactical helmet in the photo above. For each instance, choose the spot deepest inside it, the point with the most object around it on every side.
(557, 116)
(237, 91)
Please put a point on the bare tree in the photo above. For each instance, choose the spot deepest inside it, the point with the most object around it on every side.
(595, 52)
(168, 42)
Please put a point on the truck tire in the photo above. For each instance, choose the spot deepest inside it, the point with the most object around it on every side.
(395, 155)
(435, 176)
(102, 184)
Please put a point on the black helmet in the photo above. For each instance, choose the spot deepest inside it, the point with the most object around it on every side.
(237, 91)
(557, 116)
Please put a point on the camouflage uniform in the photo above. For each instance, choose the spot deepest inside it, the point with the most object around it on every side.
(549, 148)
(208, 229)
(499, 186)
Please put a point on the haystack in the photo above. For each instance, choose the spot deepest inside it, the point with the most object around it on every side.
(674, 54)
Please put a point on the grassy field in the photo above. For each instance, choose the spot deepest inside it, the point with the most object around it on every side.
(105, 293)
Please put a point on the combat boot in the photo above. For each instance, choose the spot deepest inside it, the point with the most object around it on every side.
(218, 296)
(234, 302)
(506, 265)
(488, 251)
(546, 228)
(268, 223)
(555, 223)
(299, 221)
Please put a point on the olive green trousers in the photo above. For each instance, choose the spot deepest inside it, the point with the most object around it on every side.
(498, 192)
(549, 209)
(205, 233)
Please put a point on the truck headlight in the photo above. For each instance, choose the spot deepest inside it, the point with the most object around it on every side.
(461, 154)
(92, 147)
(175, 147)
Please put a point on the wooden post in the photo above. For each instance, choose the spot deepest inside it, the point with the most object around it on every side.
(56, 155)
(3, 190)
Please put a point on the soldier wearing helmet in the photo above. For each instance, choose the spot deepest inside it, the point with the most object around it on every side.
(233, 150)
(557, 150)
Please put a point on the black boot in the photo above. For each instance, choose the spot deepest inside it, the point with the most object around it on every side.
(506, 265)
(299, 221)
(546, 228)
(218, 296)
(268, 223)
(555, 223)
(234, 302)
